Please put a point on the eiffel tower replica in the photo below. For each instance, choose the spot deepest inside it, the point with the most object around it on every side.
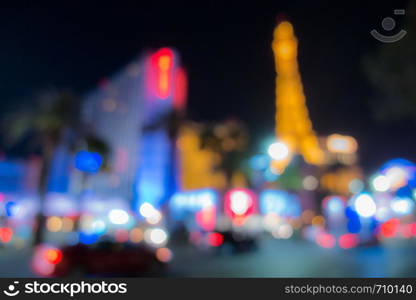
(293, 126)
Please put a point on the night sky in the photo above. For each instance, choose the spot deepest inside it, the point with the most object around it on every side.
(226, 49)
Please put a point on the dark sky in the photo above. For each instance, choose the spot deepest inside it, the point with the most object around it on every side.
(226, 49)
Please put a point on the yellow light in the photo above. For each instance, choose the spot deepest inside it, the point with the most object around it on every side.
(283, 31)
(136, 235)
(164, 62)
(307, 216)
(196, 164)
(286, 49)
(318, 221)
(397, 177)
(67, 224)
(54, 224)
(293, 125)
(337, 143)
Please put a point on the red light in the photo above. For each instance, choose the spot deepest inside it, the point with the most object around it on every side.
(6, 234)
(215, 239)
(413, 229)
(406, 231)
(164, 254)
(181, 89)
(160, 76)
(325, 240)
(206, 218)
(53, 256)
(389, 229)
(195, 237)
(238, 204)
(348, 240)
(122, 235)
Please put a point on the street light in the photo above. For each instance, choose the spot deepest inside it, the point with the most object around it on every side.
(365, 205)
(278, 151)
(337, 143)
(381, 183)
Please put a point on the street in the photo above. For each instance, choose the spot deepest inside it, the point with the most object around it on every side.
(274, 258)
(296, 258)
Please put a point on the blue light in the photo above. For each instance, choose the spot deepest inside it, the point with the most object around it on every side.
(353, 224)
(192, 201)
(259, 162)
(270, 176)
(404, 192)
(351, 213)
(334, 205)
(280, 203)
(155, 174)
(11, 208)
(88, 239)
(397, 162)
(402, 206)
(89, 162)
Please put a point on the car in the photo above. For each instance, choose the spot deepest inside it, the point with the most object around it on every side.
(238, 242)
(105, 258)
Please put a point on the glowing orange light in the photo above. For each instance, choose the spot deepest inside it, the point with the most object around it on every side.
(164, 254)
(136, 235)
(196, 170)
(293, 126)
(53, 256)
(215, 239)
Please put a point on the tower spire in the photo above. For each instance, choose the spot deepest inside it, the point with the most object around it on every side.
(293, 125)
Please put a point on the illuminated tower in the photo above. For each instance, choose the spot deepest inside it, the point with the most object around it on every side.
(293, 125)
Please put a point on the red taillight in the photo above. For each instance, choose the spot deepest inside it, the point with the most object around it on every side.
(181, 89)
(6, 234)
(53, 256)
(389, 228)
(348, 240)
(215, 239)
(325, 240)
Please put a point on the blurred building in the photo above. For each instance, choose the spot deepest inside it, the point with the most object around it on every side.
(18, 176)
(293, 126)
(133, 113)
(328, 164)
(341, 173)
(211, 155)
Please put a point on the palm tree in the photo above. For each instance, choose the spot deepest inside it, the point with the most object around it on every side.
(53, 118)
(229, 140)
